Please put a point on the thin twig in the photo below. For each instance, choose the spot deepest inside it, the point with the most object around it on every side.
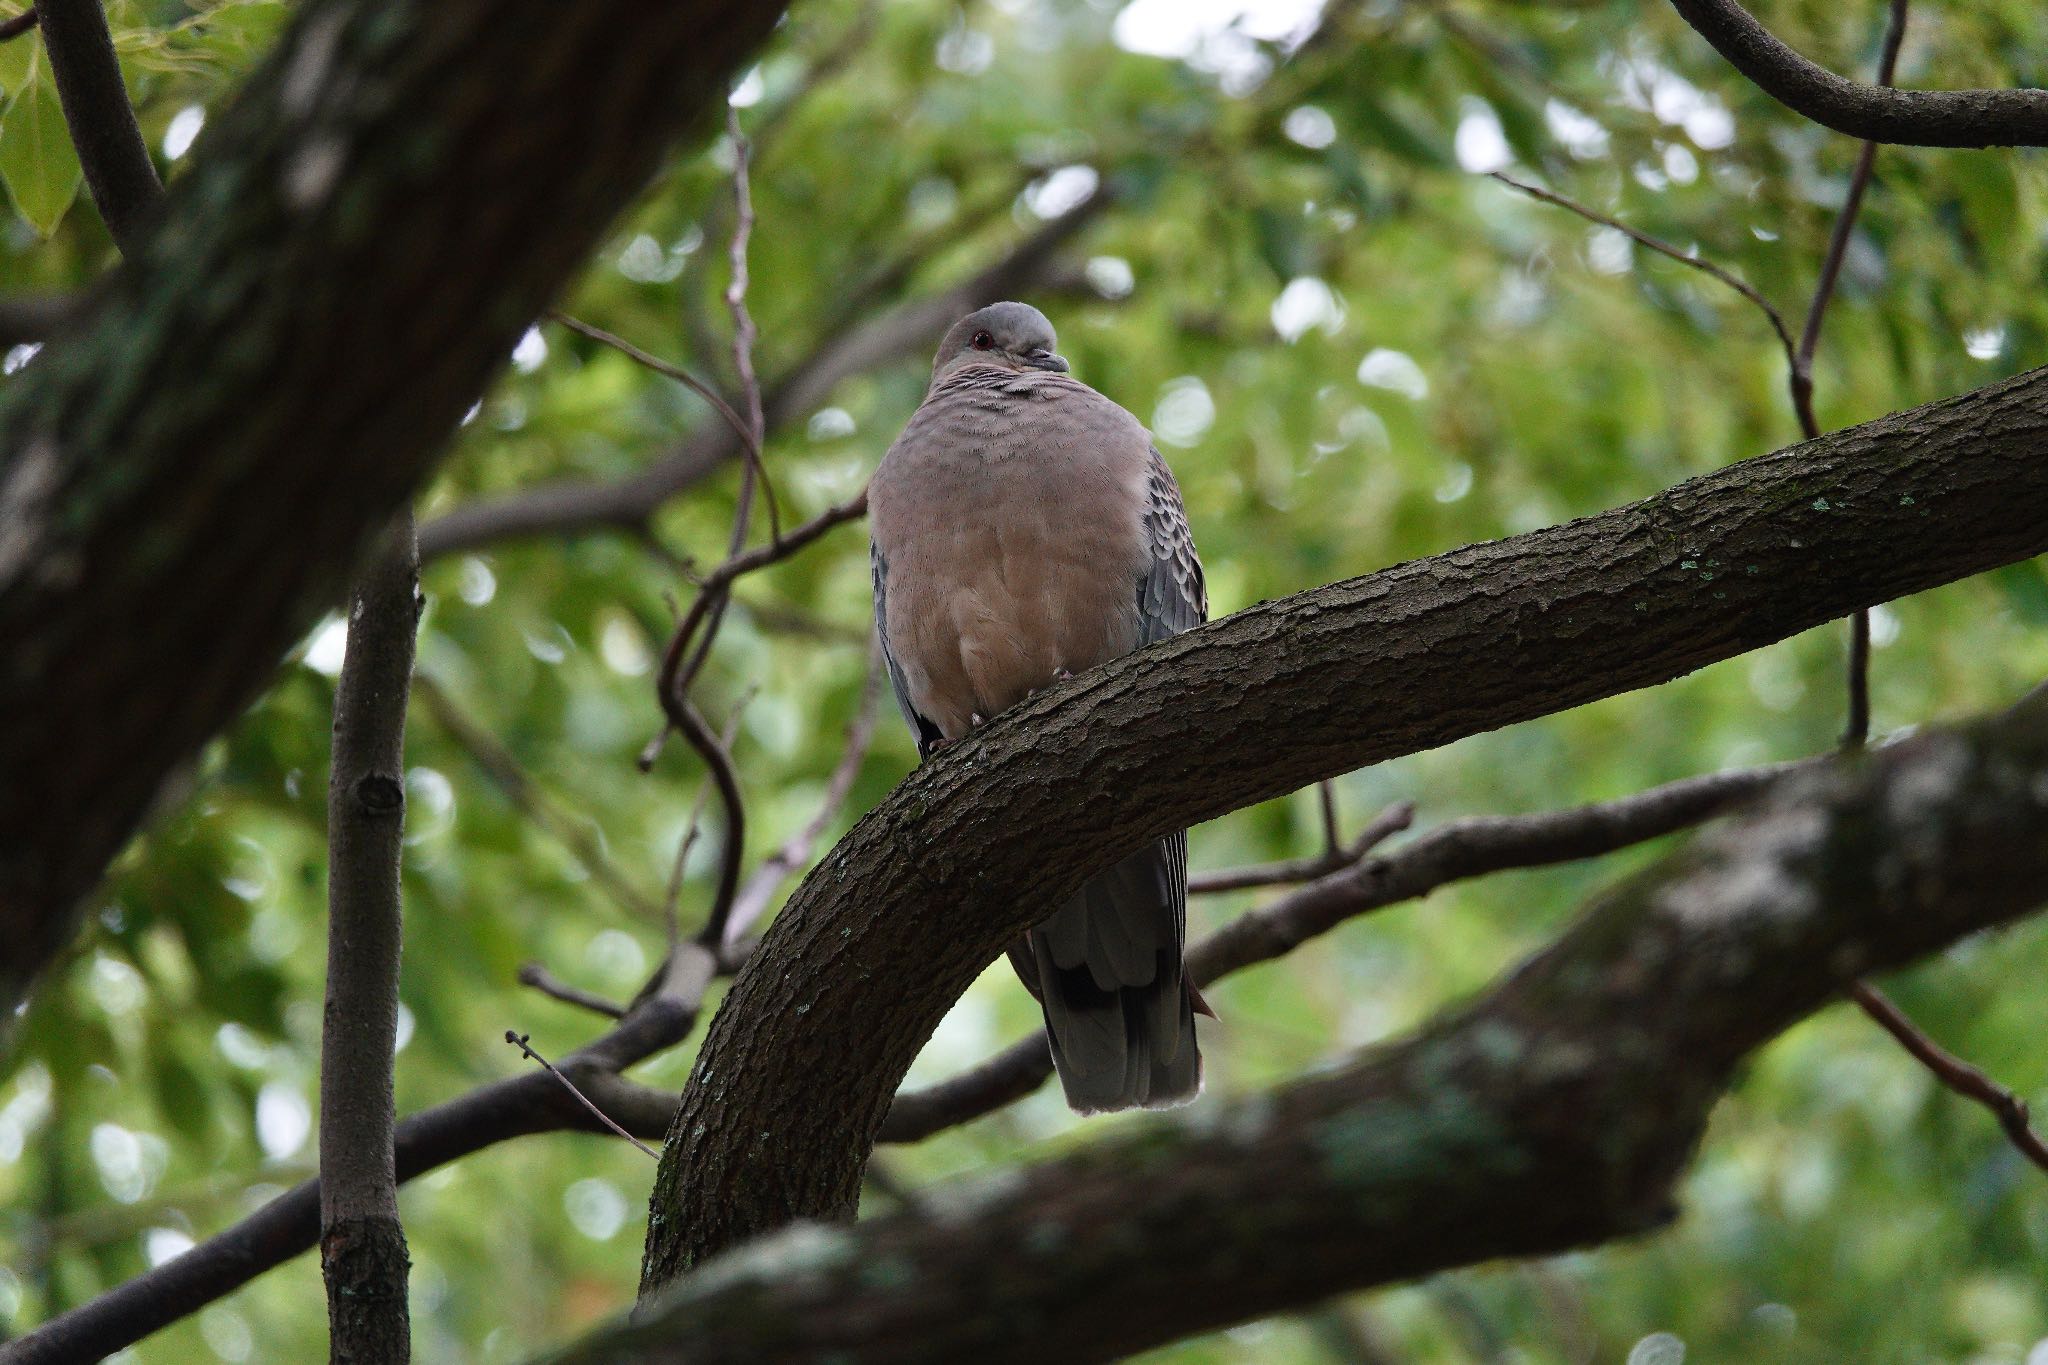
(1857, 729)
(518, 1040)
(674, 678)
(1338, 856)
(1326, 802)
(18, 25)
(672, 902)
(1662, 248)
(541, 979)
(1955, 1073)
(743, 321)
(668, 370)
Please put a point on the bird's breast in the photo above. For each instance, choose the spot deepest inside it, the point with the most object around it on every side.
(1005, 568)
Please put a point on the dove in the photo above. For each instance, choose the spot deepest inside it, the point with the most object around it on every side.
(1025, 529)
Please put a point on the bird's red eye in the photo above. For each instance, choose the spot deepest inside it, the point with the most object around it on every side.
(984, 342)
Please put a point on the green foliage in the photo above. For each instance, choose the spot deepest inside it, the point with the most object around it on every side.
(36, 159)
(1355, 351)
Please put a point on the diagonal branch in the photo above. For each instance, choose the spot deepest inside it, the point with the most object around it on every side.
(973, 847)
(110, 148)
(1906, 118)
(1559, 1110)
(1953, 1072)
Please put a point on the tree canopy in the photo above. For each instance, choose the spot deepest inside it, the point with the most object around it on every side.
(1271, 231)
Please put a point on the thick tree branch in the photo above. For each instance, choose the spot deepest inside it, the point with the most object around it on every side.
(531, 1102)
(1907, 118)
(362, 1245)
(895, 922)
(360, 238)
(1557, 1111)
(110, 148)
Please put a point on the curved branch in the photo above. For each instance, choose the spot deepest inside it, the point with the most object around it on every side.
(1557, 1111)
(820, 1027)
(1905, 118)
(110, 148)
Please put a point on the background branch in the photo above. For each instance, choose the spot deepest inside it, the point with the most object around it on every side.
(362, 1244)
(118, 170)
(1915, 118)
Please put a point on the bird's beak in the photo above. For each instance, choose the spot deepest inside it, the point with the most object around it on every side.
(1046, 360)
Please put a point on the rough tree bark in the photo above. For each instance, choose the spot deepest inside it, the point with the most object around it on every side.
(1556, 1111)
(362, 1244)
(797, 1070)
(189, 472)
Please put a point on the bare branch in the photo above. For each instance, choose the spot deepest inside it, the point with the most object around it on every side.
(1663, 248)
(1917, 118)
(667, 369)
(18, 25)
(519, 1040)
(362, 1244)
(1953, 1072)
(1382, 827)
(533, 974)
(118, 170)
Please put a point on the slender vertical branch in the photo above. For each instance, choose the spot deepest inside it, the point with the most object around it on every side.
(362, 1244)
(1857, 728)
(118, 170)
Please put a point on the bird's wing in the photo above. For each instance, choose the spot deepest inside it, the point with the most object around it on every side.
(1172, 596)
(921, 729)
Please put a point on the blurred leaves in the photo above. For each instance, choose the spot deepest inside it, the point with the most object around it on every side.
(1525, 368)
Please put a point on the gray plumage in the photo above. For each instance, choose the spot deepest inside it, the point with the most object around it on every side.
(1025, 528)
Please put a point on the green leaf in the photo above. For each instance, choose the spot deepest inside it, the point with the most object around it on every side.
(37, 161)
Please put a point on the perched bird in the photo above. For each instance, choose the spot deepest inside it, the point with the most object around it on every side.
(1026, 529)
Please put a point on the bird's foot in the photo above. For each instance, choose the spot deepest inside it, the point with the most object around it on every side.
(1059, 675)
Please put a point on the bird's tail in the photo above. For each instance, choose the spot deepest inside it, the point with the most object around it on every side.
(1119, 1012)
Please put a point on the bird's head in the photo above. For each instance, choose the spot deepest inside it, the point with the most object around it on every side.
(1010, 336)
